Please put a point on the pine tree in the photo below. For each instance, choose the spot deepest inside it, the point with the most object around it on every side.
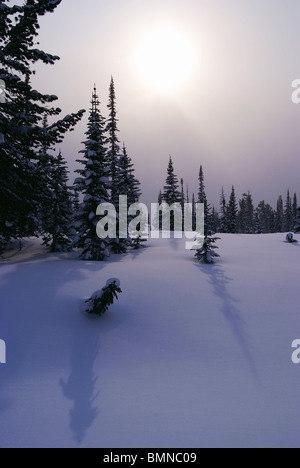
(94, 185)
(297, 224)
(113, 142)
(100, 301)
(187, 194)
(128, 185)
(231, 213)
(295, 206)
(215, 220)
(171, 194)
(206, 253)
(288, 214)
(223, 212)
(265, 217)
(21, 119)
(182, 202)
(279, 217)
(203, 199)
(194, 217)
(246, 215)
(58, 228)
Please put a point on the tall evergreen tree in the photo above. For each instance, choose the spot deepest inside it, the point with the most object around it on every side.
(295, 206)
(21, 118)
(113, 143)
(94, 185)
(288, 214)
(215, 220)
(171, 194)
(126, 184)
(187, 194)
(203, 199)
(265, 217)
(279, 217)
(194, 216)
(223, 212)
(297, 224)
(231, 213)
(58, 227)
(246, 224)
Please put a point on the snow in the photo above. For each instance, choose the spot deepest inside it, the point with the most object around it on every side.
(190, 356)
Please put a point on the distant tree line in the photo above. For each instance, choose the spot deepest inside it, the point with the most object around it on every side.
(232, 215)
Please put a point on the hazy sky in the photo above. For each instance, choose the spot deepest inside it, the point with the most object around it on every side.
(232, 112)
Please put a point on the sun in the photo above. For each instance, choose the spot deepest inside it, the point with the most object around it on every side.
(165, 58)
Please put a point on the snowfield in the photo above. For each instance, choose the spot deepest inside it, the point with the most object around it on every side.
(190, 356)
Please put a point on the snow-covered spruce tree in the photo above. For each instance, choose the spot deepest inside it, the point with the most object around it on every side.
(100, 301)
(206, 253)
(94, 185)
(202, 198)
(113, 143)
(58, 225)
(127, 183)
(231, 213)
(171, 193)
(117, 245)
(21, 118)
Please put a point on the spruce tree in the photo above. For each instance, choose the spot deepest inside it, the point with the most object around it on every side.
(194, 215)
(215, 220)
(297, 224)
(21, 119)
(231, 213)
(113, 142)
(288, 214)
(58, 227)
(172, 194)
(279, 217)
(295, 206)
(127, 184)
(246, 215)
(206, 253)
(94, 185)
(265, 217)
(223, 212)
(203, 199)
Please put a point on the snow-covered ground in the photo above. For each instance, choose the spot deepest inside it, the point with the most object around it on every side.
(190, 356)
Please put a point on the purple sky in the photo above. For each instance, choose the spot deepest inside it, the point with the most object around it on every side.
(233, 114)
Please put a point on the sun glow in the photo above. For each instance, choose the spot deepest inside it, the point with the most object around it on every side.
(165, 59)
